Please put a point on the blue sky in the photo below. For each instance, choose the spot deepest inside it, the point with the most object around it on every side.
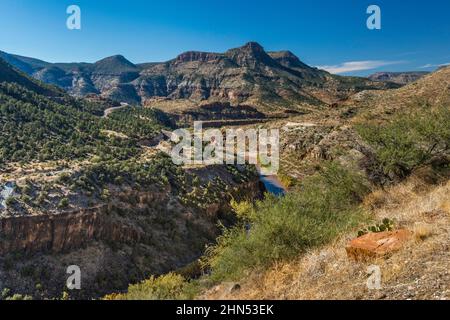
(415, 34)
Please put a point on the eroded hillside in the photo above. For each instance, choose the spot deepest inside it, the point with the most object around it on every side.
(418, 271)
(246, 75)
(87, 181)
(81, 188)
(360, 169)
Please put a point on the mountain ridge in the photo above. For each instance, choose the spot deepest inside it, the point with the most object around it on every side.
(9, 74)
(243, 75)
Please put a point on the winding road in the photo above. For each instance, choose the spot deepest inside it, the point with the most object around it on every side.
(108, 111)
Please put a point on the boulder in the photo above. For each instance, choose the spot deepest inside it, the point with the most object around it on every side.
(373, 245)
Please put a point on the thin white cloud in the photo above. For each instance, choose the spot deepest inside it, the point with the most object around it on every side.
(430, 65)
(353, 66)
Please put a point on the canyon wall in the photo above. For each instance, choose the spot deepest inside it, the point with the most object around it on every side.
(134, 236)
(65, 231)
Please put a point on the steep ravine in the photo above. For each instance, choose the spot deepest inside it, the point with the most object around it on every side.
(114, 244)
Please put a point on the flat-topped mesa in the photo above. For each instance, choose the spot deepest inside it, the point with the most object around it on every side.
(191, 56)
(288, 59)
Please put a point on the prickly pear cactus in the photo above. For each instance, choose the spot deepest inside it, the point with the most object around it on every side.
(385, 225)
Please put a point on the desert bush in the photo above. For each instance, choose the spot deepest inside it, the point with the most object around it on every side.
(282, 228)
(63, 203)
(167, 287)
(409, 140)
(286, 180)
(64, 178)
(11, 201)
(5, 293)
(27, 189)
(19, 297)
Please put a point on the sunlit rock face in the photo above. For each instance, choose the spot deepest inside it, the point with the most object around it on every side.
(248, 74)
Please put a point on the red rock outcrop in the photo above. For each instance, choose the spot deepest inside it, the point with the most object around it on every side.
(374, 245)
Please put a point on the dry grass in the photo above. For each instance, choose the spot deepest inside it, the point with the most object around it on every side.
(419, 271)
(445, 206)
(431, 90)
(422, 230)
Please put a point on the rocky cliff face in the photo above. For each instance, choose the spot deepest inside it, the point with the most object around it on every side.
(192, 56)
(64, 232)
(247, 74)
(60, 233)
(128, 239)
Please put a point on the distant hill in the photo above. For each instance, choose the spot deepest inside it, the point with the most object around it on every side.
(25, 64)
(398, 77)
(245, 75)
(115, 64)
(429, 91)
(9, 74)
(41, 122)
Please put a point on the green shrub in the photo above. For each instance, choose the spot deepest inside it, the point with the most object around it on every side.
(25, 198)
(27, 189)
(63, 203)
(167, 287)
(19, 297)
(105, 194)
(41, 198)
(282, 228)
(410, 140)
(10, 201)
(5, 293)
(64, 177)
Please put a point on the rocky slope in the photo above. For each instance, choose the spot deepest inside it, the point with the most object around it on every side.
(8, 74)
(247, 75)
(78, 188)
(134, 235)
(419, 271)
(419, 205)
(429, 91)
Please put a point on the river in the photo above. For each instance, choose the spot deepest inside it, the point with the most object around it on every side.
(272, 183)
